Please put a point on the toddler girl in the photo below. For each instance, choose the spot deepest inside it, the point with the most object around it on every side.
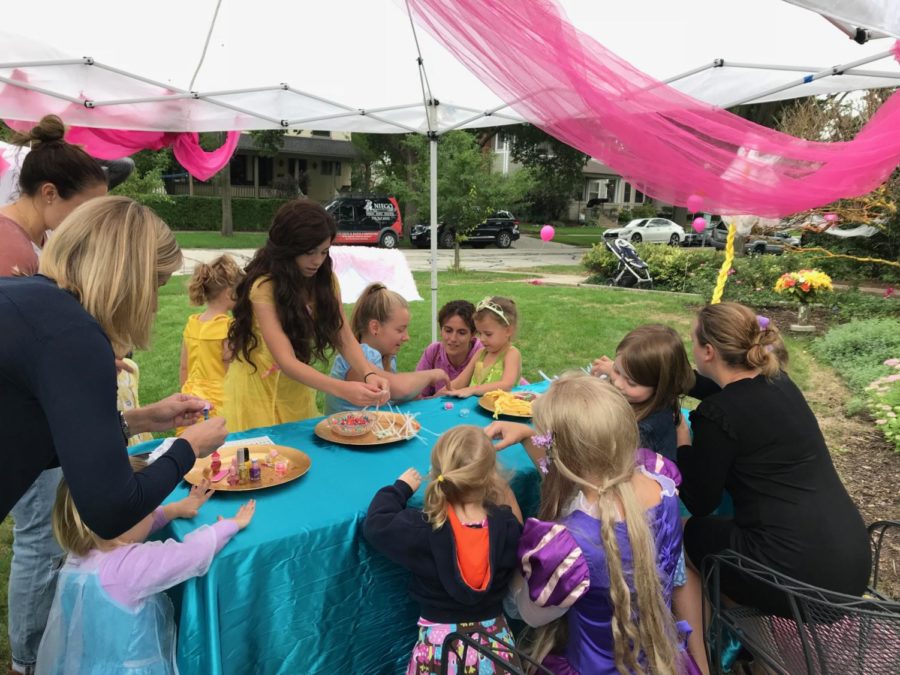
(499, 364)
(597, 567)
(652, 371)
(110, 614)
(461, 549)
(204, 349)
(380, 321)
(457, 345)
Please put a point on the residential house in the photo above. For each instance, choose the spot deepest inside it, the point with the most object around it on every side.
(317, 163)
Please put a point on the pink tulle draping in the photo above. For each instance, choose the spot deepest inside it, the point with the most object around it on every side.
(114, 143)
(109, 143)
(667, 144)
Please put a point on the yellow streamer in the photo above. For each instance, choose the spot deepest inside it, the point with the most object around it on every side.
(726, 265)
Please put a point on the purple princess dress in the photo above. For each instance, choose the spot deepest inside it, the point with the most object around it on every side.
(564, 565)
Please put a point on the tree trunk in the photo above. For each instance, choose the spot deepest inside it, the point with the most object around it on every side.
(368, 176)
(225, 184)
(740, 241)
(457, 265)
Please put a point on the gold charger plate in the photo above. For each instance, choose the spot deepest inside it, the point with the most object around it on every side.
(323, 431)
(298, 464)
(488, 402)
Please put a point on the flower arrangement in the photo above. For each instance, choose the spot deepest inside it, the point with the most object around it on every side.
(803, 285)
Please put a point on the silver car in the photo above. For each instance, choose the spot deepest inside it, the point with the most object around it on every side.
(650, 230)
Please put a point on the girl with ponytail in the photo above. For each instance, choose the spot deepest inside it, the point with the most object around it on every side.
(598, 565)
(758, 438)
(461, 548)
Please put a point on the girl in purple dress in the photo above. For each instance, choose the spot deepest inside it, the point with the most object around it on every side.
(598, 566)
(457, 345)
(110, 614)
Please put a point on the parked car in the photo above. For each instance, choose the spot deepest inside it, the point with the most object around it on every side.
(755, 245)
(650, 230)
(501, 228)
(787, 238)
(367, 219)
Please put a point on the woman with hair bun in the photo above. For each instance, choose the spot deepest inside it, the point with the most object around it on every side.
(758, 439)
(55, 178)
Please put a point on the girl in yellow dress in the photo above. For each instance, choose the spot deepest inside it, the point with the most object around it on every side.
(288, 314)
(204, 349)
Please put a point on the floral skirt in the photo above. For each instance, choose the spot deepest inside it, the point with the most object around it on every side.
(426, 655)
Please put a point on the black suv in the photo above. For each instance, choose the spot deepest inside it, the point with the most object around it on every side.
(501, 228)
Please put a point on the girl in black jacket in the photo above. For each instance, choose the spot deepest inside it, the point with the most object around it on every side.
(461, 548)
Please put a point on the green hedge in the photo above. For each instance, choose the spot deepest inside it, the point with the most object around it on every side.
(182, 212)
(694, 270)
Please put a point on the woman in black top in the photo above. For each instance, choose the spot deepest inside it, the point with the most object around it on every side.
(95, 300)
(758, 439)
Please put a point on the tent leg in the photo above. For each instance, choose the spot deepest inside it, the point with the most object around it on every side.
(432, 145)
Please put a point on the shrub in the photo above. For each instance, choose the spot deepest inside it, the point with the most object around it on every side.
(884, 402)
(858, 350)
(183, 212)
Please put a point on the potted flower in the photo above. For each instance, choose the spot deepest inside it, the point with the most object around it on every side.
(804, 285)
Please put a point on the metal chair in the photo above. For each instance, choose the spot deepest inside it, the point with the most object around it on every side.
(827, 633)
(879, 532)
(512, 667)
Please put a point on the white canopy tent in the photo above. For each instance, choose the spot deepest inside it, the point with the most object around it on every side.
(354, 65)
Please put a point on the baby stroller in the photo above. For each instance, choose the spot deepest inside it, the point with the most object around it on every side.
(631, 270)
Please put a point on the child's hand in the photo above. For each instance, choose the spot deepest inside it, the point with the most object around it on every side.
(190, 505)
(244, 514)
(412, 478)
(602, 366)
(683, 433)
(508, 433)
(438, 375)
(465, 392)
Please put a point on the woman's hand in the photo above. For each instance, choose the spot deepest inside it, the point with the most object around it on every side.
(177, 410)
(244, 514)
(602, 366)
(190, 505)
(412, 478)
(508, 433)
(206, 436)
(362, 394)
(381, 383)
(439, 376)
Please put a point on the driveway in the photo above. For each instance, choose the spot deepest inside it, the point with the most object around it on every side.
(525, 254)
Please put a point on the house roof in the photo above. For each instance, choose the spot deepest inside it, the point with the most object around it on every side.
(597, 168)
(302, 145)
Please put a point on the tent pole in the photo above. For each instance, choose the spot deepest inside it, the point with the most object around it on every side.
(432, 145)
(828, 72)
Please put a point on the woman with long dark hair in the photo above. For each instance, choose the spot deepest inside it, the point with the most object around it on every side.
(288, 315)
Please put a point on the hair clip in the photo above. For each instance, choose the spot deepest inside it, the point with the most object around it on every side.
(440, 478)
(763, 322)
(491, 306)
(543, 440)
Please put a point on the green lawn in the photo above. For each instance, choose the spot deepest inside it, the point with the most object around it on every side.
(575, 235)
(560, 328)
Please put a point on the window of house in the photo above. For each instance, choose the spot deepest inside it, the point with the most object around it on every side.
(594, 188)
(266, 170)
(638, 196)
(627, 197)
(501, 143)
(326, 168)
(296, 166)
(324, 134)
(337, 168)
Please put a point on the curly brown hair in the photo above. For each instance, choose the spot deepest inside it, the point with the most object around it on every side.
(297, 228)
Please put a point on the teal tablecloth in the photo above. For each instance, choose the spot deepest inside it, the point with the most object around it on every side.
(299, 590)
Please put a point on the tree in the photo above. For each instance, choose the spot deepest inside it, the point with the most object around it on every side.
(210, 141)
(555, 167)
(839, 118)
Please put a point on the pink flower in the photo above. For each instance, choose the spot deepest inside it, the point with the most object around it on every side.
(892, 362)
(893, 378)
(889, 291)
(880, 421)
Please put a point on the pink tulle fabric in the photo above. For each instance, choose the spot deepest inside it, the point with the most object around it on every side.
(667, 144)
(116, 143)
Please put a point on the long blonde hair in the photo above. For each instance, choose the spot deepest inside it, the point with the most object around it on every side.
(111, 253)
(68, 527)
(375, 303)
(594, 437)
(463, 469)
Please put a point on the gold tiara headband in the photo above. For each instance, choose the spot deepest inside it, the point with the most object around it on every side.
(492, 306)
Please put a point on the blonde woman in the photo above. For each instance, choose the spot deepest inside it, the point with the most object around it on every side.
(461, 549)
(598, 566)
(94, 299)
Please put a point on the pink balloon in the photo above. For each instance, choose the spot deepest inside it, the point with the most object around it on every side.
(547, 232)
(831, 217)
(699, 225)
(694, 203)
